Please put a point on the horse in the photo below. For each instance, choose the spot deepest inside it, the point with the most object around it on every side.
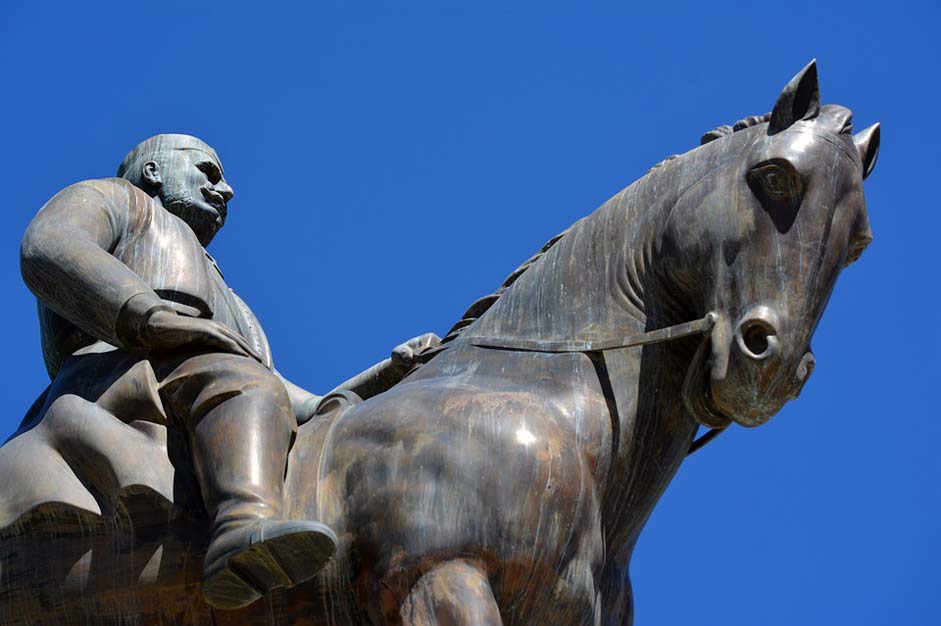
(506, 480)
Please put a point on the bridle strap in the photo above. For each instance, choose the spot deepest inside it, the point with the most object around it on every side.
(708, 436)
(678, 331)
(695, 327)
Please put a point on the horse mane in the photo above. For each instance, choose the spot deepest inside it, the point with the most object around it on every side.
(721, 131)
(832, 117)
(480, 306)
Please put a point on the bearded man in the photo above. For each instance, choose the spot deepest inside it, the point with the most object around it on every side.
(121, 273)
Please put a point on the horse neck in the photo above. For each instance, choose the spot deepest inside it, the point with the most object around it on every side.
(598, 282)
(603, 280)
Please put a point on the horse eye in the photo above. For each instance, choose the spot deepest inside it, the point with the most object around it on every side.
(779, 188)
(775, 183)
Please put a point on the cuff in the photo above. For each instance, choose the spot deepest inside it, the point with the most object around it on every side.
(133, 317)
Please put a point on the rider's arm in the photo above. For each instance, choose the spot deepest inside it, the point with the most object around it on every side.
(378, 378)
(303, 402)
(66, 261)
(386, 373)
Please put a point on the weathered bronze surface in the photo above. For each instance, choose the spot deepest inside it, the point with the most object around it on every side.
(504, 480)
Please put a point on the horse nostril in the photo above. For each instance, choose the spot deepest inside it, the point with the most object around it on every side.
(758, 338)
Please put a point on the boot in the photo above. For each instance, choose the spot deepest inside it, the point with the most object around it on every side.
(240, 450)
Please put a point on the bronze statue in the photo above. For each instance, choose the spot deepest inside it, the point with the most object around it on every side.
(137, 320)
(506, 478)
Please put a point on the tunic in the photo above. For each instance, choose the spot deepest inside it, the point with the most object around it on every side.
(97, 244)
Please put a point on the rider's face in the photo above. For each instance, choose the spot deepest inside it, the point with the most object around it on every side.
(195, 190)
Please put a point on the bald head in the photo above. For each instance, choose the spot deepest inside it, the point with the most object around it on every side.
(157, 148)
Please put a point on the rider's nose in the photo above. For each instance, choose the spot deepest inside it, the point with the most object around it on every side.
(224, 189)
(757, 334)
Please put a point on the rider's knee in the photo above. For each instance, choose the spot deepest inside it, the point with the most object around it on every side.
(255, 380)
(207, 381)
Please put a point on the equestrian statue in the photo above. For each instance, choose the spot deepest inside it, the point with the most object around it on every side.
(501, 475)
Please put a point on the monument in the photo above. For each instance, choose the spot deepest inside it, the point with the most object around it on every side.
(502, 475)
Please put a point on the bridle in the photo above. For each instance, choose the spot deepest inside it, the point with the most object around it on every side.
(598, 348)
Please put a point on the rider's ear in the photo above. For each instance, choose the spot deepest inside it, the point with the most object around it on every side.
(867, 142)
(799, 100)
(150, 172)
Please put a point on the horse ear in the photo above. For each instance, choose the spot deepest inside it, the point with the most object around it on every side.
(867, 142)
(799, 100)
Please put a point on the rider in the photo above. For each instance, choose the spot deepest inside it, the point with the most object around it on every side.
(119, 267)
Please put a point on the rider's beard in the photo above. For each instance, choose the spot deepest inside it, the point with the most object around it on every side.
(204, 219)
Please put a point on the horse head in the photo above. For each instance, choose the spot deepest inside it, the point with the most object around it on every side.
(775, 216)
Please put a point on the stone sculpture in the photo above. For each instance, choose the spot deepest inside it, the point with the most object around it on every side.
(506, 478)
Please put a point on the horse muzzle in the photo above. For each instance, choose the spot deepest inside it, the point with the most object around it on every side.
(740, 372)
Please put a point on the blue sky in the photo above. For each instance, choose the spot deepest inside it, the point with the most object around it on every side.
(394, 161)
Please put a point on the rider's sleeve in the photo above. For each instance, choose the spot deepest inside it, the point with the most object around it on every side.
(66, 260)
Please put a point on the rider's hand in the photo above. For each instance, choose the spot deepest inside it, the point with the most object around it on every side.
(404, 354)
(165, 330)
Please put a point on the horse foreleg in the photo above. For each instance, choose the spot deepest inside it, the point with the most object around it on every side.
(454, 593)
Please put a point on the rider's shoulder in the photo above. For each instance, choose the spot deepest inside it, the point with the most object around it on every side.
(115, 185)
(116, 193)
(102, 184)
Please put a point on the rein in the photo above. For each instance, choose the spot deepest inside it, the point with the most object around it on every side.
(678, 331)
